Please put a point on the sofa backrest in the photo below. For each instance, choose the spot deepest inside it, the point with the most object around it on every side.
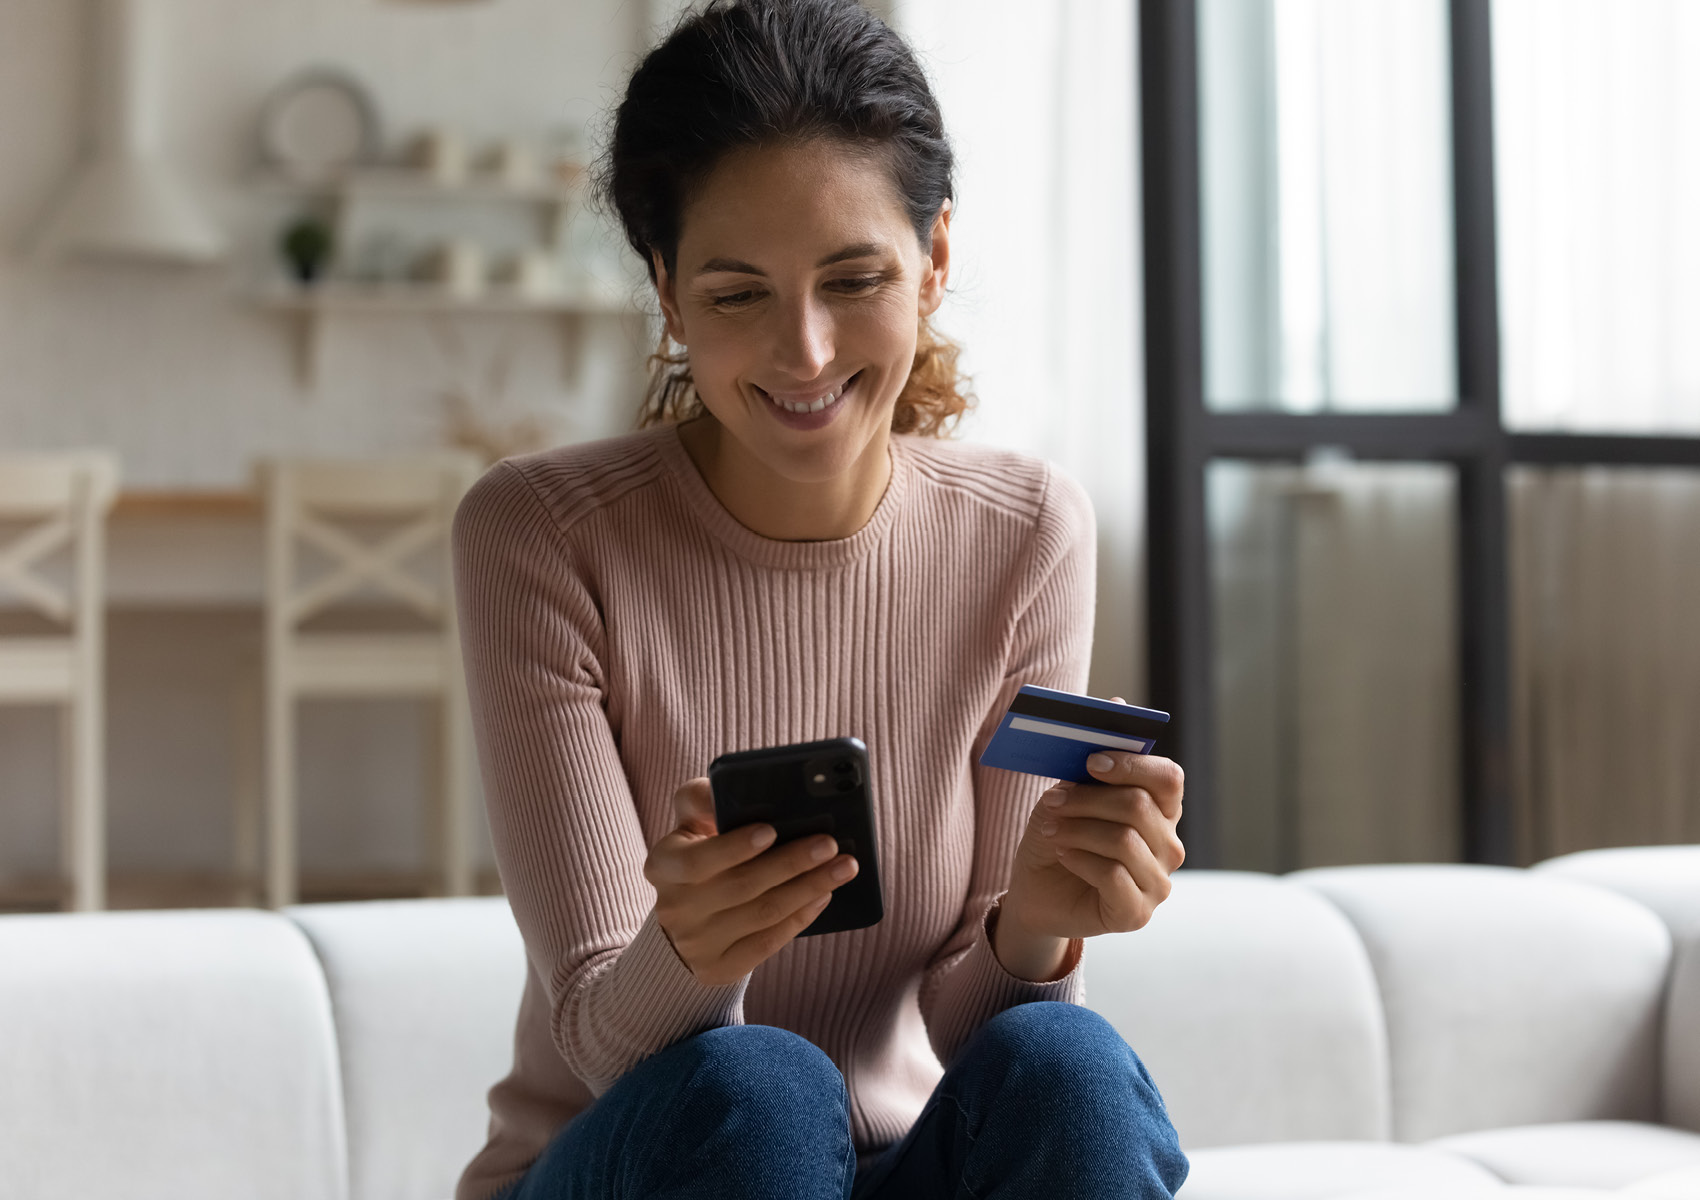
(1667, 880)
(166, 1056)
(425, 994)
(1512, 998)
(1252, 1003)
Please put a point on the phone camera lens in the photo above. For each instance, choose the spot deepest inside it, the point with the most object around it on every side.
(841, 766)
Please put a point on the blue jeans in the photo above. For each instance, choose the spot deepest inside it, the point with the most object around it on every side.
(1045, 1101)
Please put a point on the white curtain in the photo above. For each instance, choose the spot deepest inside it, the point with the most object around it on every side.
(1327, 236)
(1326, 187)
(1039, 102)
(1598, 147)
(1599, 232)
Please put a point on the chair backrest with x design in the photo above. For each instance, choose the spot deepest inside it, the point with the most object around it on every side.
(319, 504)
(53, 510)
(53, 506)
(344, 534)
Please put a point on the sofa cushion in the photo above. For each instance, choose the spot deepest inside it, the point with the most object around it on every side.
(1253, 1005)
(1512, 998)
(1326, 1170)
(1598, 1154)
(1680, 1184)
(1493, 1192)
(177, 1056)
(425, 994)
(1667, 880)
(1664, 878)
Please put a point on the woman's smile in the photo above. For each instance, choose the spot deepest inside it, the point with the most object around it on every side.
(811, 408)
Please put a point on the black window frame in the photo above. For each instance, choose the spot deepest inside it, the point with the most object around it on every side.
(1183, 436)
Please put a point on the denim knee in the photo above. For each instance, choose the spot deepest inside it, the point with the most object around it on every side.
(1049, 1034)
(1064, 1069)
(1059, 1047)
(757, 1069)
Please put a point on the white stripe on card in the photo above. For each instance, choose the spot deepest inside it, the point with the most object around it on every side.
(1091, 737)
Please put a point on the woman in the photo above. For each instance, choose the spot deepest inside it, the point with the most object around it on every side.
(782, 556)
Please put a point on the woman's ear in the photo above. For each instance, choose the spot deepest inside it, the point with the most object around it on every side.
(936, 266)
(665, 292)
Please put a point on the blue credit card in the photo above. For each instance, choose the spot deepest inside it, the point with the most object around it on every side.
(1052, 733)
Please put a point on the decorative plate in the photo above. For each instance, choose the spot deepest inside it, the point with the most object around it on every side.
(318, 124)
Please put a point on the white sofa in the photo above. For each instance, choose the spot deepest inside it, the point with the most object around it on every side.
(1419, 1032)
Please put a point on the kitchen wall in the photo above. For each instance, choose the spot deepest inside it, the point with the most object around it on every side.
(189, 380)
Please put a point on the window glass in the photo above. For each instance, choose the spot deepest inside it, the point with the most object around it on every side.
(1597, 156)
(1325, 163)
(1605, 662)
(1336, 663)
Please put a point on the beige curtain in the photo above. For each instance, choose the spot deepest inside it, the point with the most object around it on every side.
(1337, 664)
(1605, 580)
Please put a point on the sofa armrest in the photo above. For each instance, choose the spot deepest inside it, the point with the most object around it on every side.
(181, 1054)
(1667, 880)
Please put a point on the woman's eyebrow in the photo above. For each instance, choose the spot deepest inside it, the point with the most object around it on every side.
(858, 250)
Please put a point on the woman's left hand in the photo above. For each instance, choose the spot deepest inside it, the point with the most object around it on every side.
(1095, 857)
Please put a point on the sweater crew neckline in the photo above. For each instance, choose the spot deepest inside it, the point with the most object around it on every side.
(705, 507)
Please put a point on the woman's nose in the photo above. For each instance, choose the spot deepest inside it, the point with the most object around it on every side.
(803, 339)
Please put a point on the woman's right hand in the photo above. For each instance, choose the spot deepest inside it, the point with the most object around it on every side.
(727, 901)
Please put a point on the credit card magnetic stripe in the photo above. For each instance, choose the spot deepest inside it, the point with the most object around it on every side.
(1073, 733)
(1045, 708)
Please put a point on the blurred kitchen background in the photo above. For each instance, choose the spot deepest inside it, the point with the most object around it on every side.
(235, 232)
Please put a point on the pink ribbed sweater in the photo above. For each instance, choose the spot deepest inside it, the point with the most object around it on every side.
(621, 629)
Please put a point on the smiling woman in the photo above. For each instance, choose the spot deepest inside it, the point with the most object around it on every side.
(801, 356)
(880, 273)
(781, 556)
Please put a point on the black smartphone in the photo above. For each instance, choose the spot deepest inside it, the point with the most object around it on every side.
(806, 789)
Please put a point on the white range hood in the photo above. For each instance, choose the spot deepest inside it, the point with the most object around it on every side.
(125, 200)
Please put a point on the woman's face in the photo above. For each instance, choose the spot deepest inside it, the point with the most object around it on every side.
(799, 288)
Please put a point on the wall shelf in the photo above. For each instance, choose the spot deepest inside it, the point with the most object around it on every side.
(308, 307)
(410, 183)
(554, 199)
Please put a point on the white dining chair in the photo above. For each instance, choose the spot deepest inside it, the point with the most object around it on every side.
(327, 510)
(53, 510)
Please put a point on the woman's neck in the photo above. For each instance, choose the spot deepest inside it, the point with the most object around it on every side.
(773, 506)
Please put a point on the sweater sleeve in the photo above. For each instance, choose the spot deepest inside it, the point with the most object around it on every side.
(1050, 645)
(562, 819)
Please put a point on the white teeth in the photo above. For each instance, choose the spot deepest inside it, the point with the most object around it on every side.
(807, 406)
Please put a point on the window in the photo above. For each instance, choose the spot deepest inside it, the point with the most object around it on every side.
(1329, 233)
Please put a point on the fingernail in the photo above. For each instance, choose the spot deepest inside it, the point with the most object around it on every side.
(1099, 762)
(844, 869)
(762, 836)
(1047, 827)
(821, 851)
(1054, 799)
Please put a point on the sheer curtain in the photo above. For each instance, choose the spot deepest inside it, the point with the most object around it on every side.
(1327, 242)
(1039, 101)
(1599, 232)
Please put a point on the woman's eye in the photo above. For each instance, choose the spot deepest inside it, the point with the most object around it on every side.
(858, 283)
(731, 300)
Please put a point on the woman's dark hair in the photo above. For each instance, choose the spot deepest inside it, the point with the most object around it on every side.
(777, 72)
